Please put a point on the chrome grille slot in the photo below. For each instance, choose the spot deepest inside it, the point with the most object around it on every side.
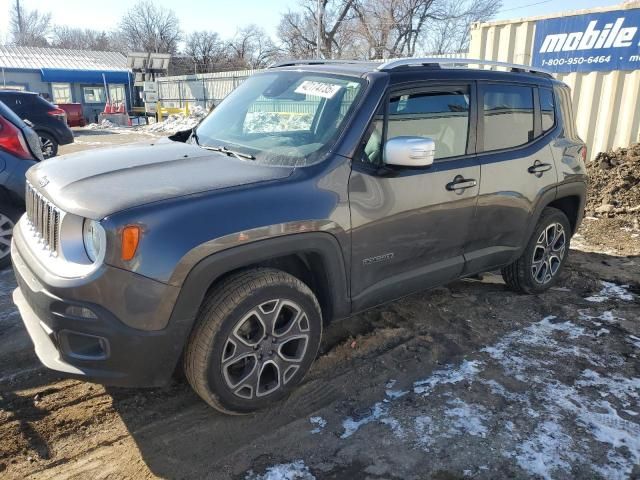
(44, 220)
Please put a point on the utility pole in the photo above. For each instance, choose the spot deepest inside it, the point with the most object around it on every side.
(319, 30)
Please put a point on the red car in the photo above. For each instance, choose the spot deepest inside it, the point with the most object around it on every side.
(75, 116)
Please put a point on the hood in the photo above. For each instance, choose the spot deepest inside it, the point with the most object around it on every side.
(96, 183)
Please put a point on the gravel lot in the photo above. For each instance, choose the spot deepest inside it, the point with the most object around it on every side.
(466, 381)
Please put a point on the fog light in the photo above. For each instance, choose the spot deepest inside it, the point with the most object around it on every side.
(83, 346)
(82, 312)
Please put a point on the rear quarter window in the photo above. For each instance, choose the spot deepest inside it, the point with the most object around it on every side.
(547, 109)
(508, 116)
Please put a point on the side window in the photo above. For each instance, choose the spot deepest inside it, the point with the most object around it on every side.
(94, 94)
(508, 116)
(547, 108)
(441, 115)
(373, 146)
(9, 99)
(566, 111)
(61, 92)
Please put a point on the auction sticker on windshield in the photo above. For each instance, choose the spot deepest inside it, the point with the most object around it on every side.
(318, 89)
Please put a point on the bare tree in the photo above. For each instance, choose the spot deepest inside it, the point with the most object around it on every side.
(251, 47)
(298, 30)
(398, 28)
(29, 28)
(80, 39)
(206, 50)
(148, 27)
(393, 28)
(452, 34)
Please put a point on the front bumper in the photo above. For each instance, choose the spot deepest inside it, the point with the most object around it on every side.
(83, 339)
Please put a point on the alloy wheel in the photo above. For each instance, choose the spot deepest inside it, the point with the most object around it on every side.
(47, 147)
(6, 233)
(265, 348)
(548, 253)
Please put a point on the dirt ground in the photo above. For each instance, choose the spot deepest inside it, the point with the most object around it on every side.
(465, 381)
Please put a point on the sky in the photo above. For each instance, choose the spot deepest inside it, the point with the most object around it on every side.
(227, 16)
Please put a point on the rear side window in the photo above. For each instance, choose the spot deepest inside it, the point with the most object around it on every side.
(9, 99)
(41, 103)
(566, 111)
(547, 108)
(442, 116)
(508, 116)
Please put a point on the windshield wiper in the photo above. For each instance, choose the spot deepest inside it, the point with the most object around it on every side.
(238, 155)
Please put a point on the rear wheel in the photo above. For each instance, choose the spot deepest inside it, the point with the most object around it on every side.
(48, 144)
(9, 215)
(539, 267)
(256, 336)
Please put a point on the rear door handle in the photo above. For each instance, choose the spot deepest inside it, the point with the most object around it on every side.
(460, 183)
(539, 167)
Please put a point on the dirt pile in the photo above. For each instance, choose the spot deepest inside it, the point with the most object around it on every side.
(614, 183)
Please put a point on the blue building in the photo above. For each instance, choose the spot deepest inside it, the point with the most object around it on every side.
(68, 76)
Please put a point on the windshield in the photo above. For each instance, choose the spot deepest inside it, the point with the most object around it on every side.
(281, 118)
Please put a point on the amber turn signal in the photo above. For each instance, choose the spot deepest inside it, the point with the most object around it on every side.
(130, 239)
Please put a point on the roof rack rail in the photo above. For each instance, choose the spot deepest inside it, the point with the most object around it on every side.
(316, 61)
(438, 62)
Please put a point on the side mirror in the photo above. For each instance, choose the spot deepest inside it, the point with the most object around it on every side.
(410, 151)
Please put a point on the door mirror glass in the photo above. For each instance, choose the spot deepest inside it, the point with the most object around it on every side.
(409, 151)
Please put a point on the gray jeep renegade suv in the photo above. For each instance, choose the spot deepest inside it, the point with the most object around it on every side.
(315, 190)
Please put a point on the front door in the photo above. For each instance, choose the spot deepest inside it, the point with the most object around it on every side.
(410, 224)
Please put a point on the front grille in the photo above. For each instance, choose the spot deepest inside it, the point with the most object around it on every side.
(44, 219)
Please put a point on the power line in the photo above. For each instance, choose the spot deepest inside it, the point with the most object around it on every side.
(524, 6)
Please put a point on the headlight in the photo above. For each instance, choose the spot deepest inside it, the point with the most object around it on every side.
(94, 239)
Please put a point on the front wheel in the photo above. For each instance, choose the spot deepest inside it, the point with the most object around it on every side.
(256, 336)
(539, 266)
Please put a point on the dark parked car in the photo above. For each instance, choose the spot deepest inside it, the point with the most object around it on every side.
(49, 121)
(314, 191)
(19, 150)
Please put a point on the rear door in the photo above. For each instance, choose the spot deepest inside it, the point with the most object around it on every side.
(517, 170)
(410, 224)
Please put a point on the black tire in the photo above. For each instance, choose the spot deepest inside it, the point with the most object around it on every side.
(9, 216)
(535, 274)
(236, 374)
(48, 144)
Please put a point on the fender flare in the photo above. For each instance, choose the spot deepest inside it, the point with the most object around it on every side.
(211, 268)
(570, 189)
(49, 132)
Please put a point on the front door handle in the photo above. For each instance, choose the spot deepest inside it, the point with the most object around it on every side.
(460, 183)
(538, 167)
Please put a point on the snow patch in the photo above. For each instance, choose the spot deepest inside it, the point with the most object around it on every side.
(319, 423)
(285, 471)
(540, 454)
(424, 428)
(467, 371)
(466, 418)
(554, 405)
(611, 291)
(177, 122)
(351, 425)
